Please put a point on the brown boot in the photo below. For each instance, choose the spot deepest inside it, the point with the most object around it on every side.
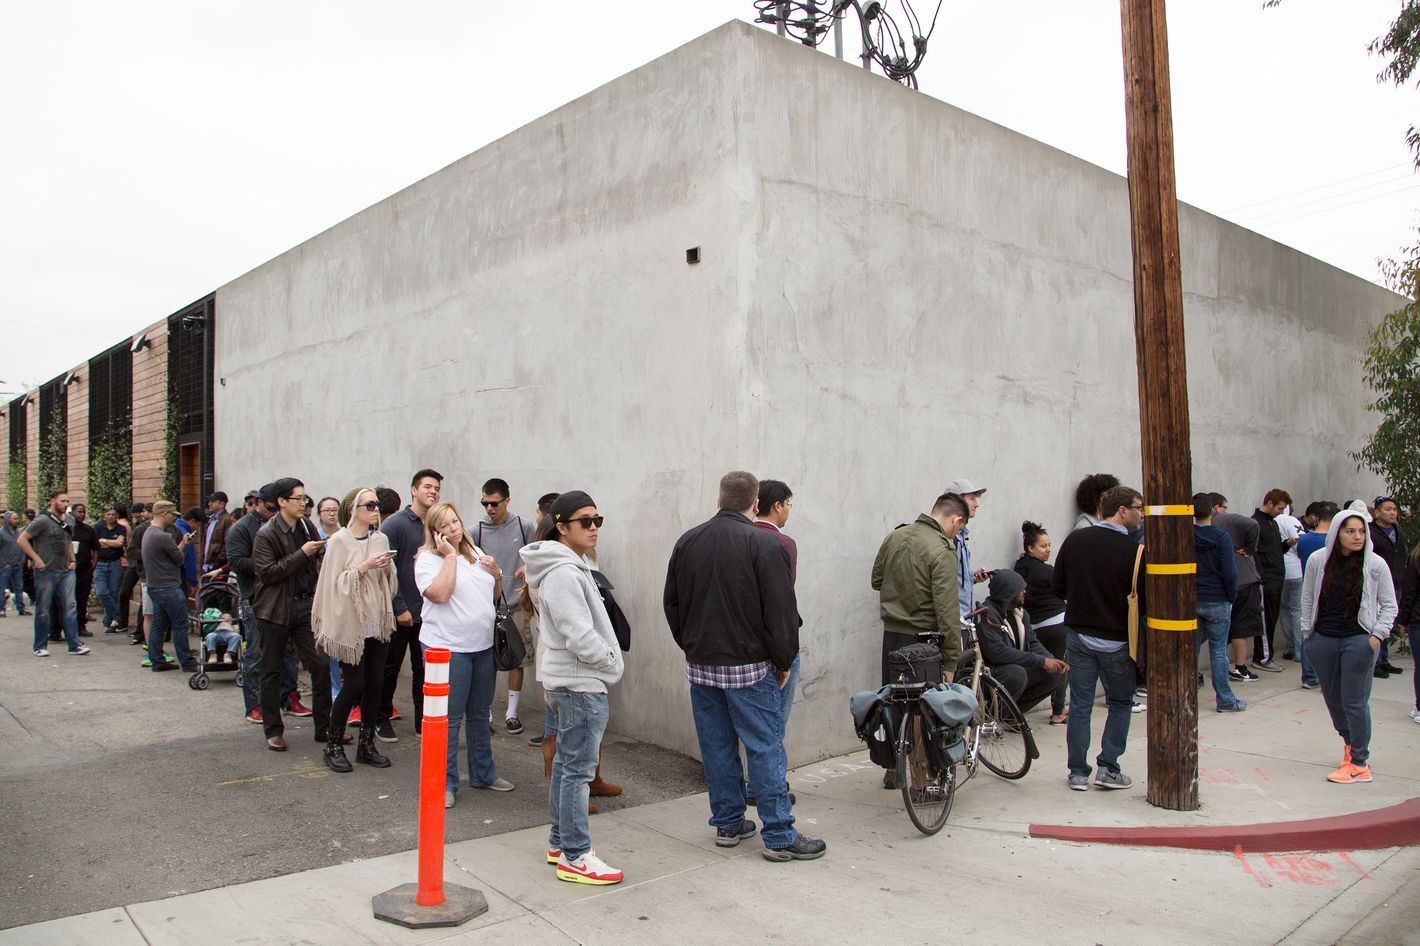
(591, 808)
(599, 787)
(549, 751)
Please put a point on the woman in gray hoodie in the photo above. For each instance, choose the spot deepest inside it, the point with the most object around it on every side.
(578, 659)
(1348, 607)
(12, 562)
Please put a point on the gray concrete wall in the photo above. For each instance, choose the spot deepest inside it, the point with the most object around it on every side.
(893, 293)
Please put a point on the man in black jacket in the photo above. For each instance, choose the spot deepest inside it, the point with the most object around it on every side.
(729, 600)
(1094, 572)
(1273, 571)
(1389, 542)
(284, 556)
(237, 549)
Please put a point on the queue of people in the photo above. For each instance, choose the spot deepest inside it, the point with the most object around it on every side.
(1337, 581)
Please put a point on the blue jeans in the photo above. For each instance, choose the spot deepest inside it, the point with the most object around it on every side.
(1214, 619)
(49, 583)
(1116, 671)
(12, 579)
(755, 717)
(335, 681)
(786, 695)
(581, 722)
(228, 639)
(169, 613)
(472, 678)
(107, 576)
(251, 663)
(1289, 616)
(1345, 666)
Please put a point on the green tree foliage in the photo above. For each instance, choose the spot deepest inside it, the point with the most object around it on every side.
(1392, 371)
(171, 487)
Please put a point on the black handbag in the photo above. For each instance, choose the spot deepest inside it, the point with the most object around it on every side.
(619, 624)
(508, 650)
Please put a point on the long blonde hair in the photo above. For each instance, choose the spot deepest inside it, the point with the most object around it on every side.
(435, 514)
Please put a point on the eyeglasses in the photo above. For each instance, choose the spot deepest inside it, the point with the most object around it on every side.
(1137, 508)
(490, 505)
(294, 499)
(370, 506)
(588, 522)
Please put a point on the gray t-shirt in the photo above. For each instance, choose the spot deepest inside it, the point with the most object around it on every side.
(162, 562)
(504, 542)
(50, 541)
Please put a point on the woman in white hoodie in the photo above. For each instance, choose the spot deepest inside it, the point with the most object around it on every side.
(578, 659)
(1348, 607)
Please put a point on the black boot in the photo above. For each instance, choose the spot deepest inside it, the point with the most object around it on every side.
(366, 751)
(335, 751)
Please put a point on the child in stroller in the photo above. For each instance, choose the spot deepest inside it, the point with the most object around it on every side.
(223, 644)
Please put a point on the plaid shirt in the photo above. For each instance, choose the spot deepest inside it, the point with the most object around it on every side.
(727, 678)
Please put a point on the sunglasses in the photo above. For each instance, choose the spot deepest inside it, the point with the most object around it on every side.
(370, 506)
(588, 522)
(489, 505)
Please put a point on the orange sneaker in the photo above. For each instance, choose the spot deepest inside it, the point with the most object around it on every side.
(1345, 755)
(1349, 773)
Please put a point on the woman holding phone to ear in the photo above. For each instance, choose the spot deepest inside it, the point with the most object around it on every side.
(459, 584)
(353, 617)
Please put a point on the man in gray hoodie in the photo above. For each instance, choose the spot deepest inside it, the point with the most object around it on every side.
(12, 563)
(578, 659)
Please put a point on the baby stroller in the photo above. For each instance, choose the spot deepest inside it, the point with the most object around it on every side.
(214, 598)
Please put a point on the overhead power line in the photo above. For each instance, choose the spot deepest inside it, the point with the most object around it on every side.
(1322, 200)
(1349, 203)
(1309, 190)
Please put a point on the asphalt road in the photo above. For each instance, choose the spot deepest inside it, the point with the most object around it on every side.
(119, 785)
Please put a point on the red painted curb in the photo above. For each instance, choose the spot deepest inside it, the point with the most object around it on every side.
(1396, 826)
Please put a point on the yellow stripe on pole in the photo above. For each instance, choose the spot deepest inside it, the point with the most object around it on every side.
(1168, 510)
(1182, 568)
(1164, 624)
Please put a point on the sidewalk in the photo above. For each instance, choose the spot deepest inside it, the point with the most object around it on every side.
(881, 880)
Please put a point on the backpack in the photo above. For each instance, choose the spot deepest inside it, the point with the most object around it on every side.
(875, 720)
(915, 663)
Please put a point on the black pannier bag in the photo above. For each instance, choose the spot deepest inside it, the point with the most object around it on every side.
(875, 720)
(915, 663)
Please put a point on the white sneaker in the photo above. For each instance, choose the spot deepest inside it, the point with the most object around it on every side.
(41, 653)
(80, 651)
(1415, 715)
(587, 869)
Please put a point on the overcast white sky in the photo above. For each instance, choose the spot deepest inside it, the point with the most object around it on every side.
(153, 151)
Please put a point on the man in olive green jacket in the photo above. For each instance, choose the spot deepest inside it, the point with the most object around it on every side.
(916, 575)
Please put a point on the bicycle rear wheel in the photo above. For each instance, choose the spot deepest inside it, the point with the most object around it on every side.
(1001, 730)
(926, 794)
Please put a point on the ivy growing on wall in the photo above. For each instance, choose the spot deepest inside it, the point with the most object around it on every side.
(171, 490)
(15, 484)
(53, 470)
(110, 470)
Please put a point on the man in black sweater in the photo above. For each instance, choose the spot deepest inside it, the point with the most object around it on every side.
(1388, 541)
(729, 600)
(1273, 571)
(1095, 571)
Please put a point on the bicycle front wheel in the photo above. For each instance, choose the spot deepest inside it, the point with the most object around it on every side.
(926, 794)
(1001, 728)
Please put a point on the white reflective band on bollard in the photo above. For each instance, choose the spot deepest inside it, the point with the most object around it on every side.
(436, 706)
(436, 673)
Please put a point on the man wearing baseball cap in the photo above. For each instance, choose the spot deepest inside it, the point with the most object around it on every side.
(966, 578)
(212, 553)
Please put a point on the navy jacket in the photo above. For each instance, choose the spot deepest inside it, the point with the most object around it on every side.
(406, 534)
(1217, 578)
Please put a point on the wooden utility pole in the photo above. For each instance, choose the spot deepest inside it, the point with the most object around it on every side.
(1172, 618)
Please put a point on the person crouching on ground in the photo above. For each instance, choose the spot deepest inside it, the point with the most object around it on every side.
(1009, 646)
(577, 659)
(1348, 607)
(458, 583)
(353, 619)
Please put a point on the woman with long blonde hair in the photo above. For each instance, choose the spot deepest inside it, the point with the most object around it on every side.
(352, 617)
(459, 584)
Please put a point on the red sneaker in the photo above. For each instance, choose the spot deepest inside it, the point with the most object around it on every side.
(255, 715)
(354, 717)
(587, 869)
(394, 713)
(297, 708)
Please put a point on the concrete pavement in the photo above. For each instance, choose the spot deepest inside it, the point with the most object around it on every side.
(881, 880)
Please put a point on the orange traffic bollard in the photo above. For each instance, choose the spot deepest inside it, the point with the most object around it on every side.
(430, 902)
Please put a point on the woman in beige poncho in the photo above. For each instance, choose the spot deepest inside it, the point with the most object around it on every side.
(353, 618)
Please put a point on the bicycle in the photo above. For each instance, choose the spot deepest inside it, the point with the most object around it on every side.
(997, 736)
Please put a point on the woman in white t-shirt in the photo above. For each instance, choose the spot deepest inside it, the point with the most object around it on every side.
(459, 583)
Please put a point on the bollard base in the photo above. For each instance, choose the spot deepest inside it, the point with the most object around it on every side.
(460, 905)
